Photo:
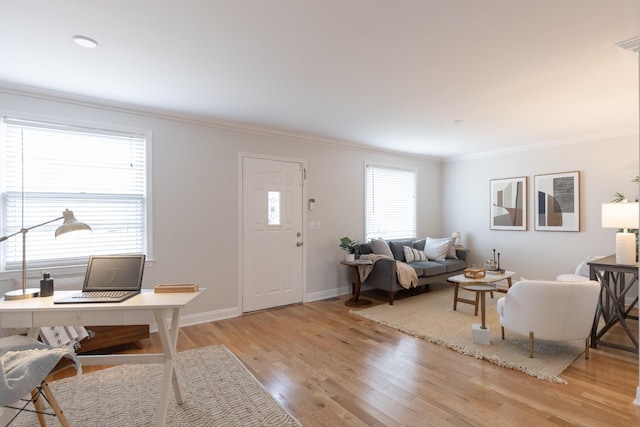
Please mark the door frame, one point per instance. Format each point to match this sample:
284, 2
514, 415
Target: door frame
304, 231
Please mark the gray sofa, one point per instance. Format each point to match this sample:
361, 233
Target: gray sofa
383, 275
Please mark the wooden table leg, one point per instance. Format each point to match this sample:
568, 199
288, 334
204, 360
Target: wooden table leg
457, 299
482, 309
456, 285
355, 300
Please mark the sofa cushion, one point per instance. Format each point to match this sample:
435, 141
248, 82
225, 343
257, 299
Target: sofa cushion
397, 248
411, 254
420, 244
452, 264
365, 248
428, 268
380, 247
437, 249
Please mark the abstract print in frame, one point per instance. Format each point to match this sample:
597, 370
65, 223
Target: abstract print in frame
509, 203
557, 201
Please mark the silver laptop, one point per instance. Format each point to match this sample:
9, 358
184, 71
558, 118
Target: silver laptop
109, 278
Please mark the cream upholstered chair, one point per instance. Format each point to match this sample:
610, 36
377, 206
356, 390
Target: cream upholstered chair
581, 273
550, 310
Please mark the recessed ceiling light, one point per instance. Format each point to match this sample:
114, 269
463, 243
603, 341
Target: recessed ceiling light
85, 42
457, 121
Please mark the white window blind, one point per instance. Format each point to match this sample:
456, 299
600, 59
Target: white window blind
390, 202
100, 175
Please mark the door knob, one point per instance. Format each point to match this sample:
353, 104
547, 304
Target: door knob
298, 244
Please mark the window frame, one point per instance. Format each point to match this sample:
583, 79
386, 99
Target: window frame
77, 265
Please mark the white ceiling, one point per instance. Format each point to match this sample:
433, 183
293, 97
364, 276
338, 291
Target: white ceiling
392, 74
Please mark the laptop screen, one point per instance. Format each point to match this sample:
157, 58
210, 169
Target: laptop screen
114, 272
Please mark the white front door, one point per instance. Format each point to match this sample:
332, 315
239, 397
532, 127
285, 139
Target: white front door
272, 240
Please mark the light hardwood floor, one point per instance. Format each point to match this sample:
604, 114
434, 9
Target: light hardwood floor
331, 368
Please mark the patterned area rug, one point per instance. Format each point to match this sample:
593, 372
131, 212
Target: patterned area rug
219, 391
430, 316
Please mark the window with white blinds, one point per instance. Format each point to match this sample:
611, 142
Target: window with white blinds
390, 202
100, 175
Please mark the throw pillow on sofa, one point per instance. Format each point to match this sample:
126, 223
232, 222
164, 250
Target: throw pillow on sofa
439, 249
411, 254
381, 247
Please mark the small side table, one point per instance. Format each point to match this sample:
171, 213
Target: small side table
611, 305
355, 300
481, 333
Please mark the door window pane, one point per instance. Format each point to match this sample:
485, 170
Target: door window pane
274, 207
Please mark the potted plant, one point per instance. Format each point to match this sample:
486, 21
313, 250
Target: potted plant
351, 247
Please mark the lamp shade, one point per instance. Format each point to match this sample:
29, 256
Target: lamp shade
620, 215
70, 224
457, 236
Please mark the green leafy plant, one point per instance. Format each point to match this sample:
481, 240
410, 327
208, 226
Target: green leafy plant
619, 197
351, 246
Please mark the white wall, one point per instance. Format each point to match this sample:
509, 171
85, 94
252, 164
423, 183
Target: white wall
606, 166
195, 198
195, 190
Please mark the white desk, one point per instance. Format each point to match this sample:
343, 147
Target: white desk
145, 308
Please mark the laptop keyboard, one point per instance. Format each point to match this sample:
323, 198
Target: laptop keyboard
102, 294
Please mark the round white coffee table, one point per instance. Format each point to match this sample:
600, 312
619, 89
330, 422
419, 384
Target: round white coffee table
489, 278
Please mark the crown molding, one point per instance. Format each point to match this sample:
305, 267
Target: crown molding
85, 101
632, 44
546, 144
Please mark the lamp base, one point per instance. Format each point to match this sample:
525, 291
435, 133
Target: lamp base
20, 294
625, 248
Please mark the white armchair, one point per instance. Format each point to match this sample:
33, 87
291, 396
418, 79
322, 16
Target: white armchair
581, 273
550, 310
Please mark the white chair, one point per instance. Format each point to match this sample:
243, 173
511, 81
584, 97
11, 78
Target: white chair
550, 310
581, 273
25, 364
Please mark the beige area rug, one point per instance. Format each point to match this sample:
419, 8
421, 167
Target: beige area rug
430, 316
219, 391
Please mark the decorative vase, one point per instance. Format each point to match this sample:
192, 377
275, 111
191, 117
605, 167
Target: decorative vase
350, 257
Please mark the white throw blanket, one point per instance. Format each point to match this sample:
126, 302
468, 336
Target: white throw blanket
407, 276
21, 371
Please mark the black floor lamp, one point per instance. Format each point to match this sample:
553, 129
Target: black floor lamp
70, 224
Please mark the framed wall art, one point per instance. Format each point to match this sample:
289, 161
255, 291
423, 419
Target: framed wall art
557, 201
509, 203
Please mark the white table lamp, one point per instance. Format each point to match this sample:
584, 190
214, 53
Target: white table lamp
457, 239
623, 216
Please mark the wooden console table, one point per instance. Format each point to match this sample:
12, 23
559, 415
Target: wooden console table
611, 306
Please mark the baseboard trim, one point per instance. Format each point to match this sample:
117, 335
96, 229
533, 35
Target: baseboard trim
317, 296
